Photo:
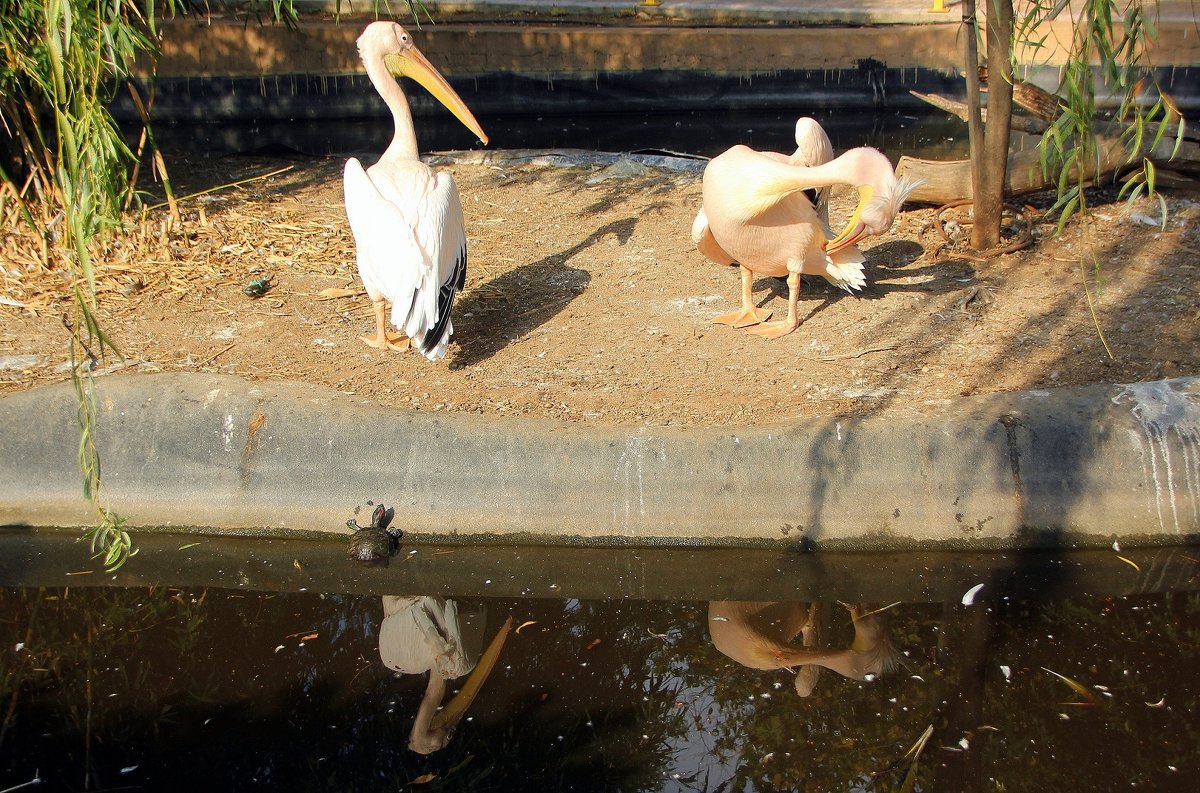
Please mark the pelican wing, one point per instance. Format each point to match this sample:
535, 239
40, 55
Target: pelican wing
412, 248
813, 147
442, 232
387, 250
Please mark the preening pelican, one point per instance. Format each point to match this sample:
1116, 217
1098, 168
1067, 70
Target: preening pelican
755, 213
407, 219
758, 635
813, 147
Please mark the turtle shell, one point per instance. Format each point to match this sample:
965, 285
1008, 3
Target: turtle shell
370, 546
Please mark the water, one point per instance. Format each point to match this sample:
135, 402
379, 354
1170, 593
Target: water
913, 131
220, 681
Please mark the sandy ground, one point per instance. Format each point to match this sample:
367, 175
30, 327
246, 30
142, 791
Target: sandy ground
587, 302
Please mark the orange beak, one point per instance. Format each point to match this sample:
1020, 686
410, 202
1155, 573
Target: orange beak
854, 227
412, 63
457, 707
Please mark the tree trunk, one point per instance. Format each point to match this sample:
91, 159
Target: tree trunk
992, 172
974, 115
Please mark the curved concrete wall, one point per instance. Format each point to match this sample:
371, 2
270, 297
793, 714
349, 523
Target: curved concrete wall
1074, 466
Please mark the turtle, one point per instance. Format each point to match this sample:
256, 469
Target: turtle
374, 544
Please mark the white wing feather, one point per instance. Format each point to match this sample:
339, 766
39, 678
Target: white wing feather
387, 251
441, 232
411, 249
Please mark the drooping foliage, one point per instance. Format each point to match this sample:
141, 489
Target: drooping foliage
1106, 54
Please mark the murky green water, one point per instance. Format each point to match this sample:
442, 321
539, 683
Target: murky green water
1066, 672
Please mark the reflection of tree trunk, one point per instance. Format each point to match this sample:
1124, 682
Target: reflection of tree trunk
967, 633
990, 174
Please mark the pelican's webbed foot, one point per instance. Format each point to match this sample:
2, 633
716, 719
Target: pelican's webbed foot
387, 341
743, 317
774, 330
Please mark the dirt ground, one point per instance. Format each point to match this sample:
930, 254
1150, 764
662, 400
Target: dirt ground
586, 302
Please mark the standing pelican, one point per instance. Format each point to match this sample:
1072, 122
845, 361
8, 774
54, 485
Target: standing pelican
813, 147
755, 213
406, 218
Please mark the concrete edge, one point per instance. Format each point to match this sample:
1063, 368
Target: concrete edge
1070, 467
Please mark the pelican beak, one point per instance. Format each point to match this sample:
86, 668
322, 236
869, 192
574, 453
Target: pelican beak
411, 63
456, 708
854, 227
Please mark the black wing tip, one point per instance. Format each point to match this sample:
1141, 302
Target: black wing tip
433, 337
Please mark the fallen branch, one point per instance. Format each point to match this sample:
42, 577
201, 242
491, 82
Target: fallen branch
1032, 126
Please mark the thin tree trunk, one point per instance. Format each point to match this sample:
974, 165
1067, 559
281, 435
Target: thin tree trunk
991, 173
974, 104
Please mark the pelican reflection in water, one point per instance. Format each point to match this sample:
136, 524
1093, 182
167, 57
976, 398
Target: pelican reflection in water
761, 635
423, 633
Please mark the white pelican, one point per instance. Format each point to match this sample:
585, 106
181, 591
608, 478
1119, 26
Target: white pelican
407, 219
813, 147
755, 213
423, 633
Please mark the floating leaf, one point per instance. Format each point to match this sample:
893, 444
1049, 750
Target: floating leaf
969, 598
525, 624
1076, 686
1131, 563
189, 545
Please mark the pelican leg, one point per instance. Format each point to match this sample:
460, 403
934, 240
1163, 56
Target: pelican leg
773, 330
748, 314
384, 339
808, 675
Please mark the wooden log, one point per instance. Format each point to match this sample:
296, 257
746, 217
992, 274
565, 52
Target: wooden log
947, 181
1041, 103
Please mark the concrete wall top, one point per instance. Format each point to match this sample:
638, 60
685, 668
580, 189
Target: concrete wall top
1078, 466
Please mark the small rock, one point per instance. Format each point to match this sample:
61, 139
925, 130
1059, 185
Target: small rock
14, 363
1142, 218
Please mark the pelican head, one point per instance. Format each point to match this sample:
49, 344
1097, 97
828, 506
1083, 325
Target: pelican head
880, 195
432, 729
393, 45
